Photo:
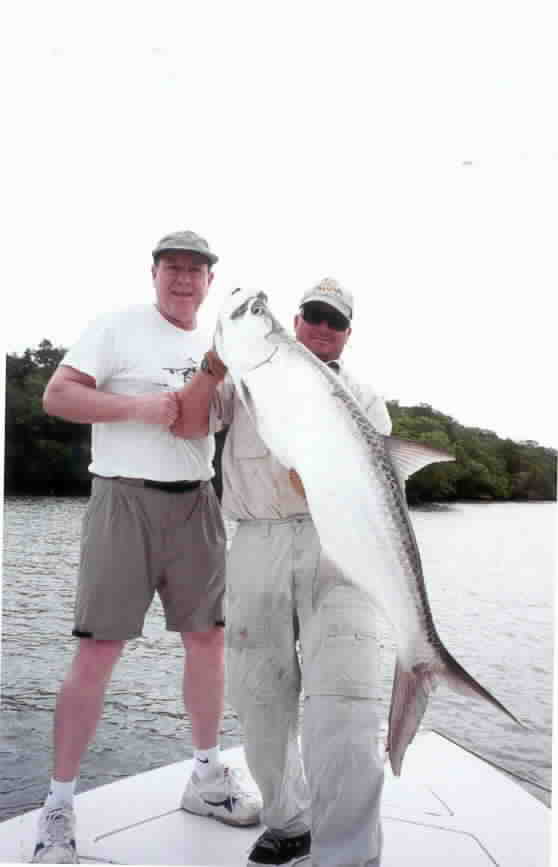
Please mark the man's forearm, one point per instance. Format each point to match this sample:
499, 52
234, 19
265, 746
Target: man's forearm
79, 403
195, 401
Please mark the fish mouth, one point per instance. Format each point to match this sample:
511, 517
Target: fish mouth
256, 303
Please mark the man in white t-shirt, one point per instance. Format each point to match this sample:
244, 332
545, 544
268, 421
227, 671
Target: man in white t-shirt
153, 524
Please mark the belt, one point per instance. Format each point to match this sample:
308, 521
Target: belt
171, 487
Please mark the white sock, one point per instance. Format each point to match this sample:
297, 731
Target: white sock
60, 793
206, 762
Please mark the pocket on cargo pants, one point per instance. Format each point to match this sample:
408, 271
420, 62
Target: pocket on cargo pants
341, 654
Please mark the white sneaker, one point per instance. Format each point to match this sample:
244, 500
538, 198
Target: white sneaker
223, 797
56, 841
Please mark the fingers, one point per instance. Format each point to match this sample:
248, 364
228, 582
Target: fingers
214, 365
163, 409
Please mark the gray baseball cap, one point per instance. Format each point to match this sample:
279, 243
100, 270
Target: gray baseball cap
186, 241
329, 291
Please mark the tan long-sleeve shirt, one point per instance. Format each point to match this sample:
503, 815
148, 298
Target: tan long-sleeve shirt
255, 484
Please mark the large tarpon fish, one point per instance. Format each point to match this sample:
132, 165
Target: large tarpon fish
354, 482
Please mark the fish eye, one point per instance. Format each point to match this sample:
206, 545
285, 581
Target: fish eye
257, 308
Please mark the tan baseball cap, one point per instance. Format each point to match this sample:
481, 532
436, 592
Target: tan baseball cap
186, 241
329, 291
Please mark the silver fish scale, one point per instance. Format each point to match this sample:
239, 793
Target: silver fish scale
395, 510
383, 473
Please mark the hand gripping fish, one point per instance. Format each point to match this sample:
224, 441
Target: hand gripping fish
353, 478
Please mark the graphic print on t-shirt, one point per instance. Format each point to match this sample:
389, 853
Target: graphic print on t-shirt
182, 374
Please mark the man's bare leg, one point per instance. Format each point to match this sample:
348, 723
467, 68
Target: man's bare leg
80, 703
213, 789
204, 683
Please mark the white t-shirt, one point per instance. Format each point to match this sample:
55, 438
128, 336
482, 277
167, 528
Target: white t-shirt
137, 351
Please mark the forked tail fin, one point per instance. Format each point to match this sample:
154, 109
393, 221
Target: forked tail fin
409, 698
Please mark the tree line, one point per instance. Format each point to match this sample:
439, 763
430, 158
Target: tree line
46, 455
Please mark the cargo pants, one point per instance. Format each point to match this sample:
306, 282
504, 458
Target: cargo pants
282, 590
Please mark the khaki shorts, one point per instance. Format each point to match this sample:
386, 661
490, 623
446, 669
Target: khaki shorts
137, 541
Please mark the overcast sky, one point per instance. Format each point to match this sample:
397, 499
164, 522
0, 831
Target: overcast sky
408, 149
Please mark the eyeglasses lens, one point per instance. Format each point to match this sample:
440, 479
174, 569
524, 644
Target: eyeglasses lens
334, 320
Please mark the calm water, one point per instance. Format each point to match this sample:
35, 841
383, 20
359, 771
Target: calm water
490, 574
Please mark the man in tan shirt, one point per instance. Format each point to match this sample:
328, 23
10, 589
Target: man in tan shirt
287, 604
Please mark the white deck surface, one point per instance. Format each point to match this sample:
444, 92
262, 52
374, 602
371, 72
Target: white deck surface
448, 808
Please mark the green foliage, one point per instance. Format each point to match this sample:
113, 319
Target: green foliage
49, 455
485, 466
43, 454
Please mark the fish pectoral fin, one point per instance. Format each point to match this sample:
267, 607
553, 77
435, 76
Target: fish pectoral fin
409, 698
409, 457
296, 483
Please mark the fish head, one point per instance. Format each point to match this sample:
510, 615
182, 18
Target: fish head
246, 332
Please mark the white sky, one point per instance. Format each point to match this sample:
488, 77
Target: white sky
304, 140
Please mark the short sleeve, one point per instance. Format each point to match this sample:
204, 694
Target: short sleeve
94, 353
371, 404
377, 413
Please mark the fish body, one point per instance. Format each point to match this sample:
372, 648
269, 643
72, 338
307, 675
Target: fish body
353, 479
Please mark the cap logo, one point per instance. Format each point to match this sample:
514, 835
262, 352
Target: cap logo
334, 289
329, 286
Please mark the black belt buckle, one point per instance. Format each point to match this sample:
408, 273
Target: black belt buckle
172, 487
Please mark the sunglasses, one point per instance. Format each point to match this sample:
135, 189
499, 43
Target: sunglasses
316, 315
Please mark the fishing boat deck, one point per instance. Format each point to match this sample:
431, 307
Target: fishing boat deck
448, 804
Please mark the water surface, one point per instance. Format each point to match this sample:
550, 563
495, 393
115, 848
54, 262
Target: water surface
489, 570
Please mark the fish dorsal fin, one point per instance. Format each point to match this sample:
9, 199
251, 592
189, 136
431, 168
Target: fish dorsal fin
409, 456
